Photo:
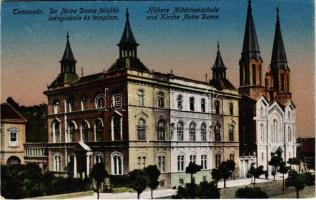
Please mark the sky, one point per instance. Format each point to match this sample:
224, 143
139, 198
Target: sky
32, 46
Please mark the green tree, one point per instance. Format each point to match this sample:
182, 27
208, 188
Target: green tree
251, 193
98, 173
191, 169
275, 163
297, 181
283, 169
216, 175
227, 168
138, 181
208, 190
152, 173
255, 172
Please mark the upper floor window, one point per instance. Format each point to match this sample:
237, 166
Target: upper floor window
84, 131
289, 115
161, 100
83, 103
217, 160
231, 108
217, 133
253, 74
180, 102
98, 130
192, 131
117, 163
141, 129
116, 127
204, 161
180, 162
231, 133
161, 130
71, 103
56, 131
290, 134
56, 106
71, 132
203, 132
274, 129
13, 137
203, 107
161, 163
100, 101
192, 103
282, 83
217, 107
180, 131
141, 97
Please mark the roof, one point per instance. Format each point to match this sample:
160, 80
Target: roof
128, 62
218, 61
68, 55
127, 36
9, 113
221, 84
251, 45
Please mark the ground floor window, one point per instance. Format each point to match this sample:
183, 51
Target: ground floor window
161, 163
204, 161
141, 162
57, 162
117, 163
181, 163
13, 160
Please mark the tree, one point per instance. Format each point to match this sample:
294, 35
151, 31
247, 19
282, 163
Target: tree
296, 180
283, 169
275, 162
138, 181
216, 175
192, 168
98, 173
227, 168
255, 172
293, 161
152, 173
208, 190
251, 193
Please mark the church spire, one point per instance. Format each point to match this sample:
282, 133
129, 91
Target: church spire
278, 52
219, 69
68, 55
251, 45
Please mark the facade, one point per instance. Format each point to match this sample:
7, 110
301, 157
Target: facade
12, 135
129, 118
267, 113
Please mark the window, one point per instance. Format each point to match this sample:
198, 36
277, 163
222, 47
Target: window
116, 127
100, 101
203, 132
192, 103
217, 133
192, 131
289, 115
161, 130
141, 97
231, 108
70, 103
290, 134
141, 162
202, 105
180, 163
71, 132
180, 131
56, 131
282, 82
217, 107
141, 129
161, 100
117, 164
99, 157
253, 74
83, 103
192, 158
217, 160
274, 129
13, 137
98, 130
261, 132
262, 156
56, 106
161, 163
180, 102
232, 157
204, 161
231, 133
57, 162
84, 131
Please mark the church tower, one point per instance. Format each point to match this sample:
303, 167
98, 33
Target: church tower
251, 81
278, 75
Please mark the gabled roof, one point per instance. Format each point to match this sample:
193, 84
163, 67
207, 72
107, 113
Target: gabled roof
9, 113
221, 84
68, 55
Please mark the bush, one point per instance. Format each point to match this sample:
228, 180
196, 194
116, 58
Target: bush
251, 193
119, 181
310, 179
205, 190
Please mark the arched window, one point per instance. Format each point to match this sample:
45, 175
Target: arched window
289, 134
217, 160
71, 132
84, 131
180, 131
98, 130
253, 74
217, 107
141, 129
203, 107
100, 101
141, 97
192, 131
231, 108
70, 104
56, 131
204, 161
83, 102
180, 163
99, 157
262, 132
13, 160
231, 133
191, 103
289, 115
161, 100
57, 162
116, 127
117, 163
180, 102
56, 106
161, 130
217, 133
203, 132
274, 129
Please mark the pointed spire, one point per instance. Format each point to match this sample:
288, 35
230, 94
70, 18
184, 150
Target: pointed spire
68, 55
218, 61
278, 52
251, 45
127, 36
